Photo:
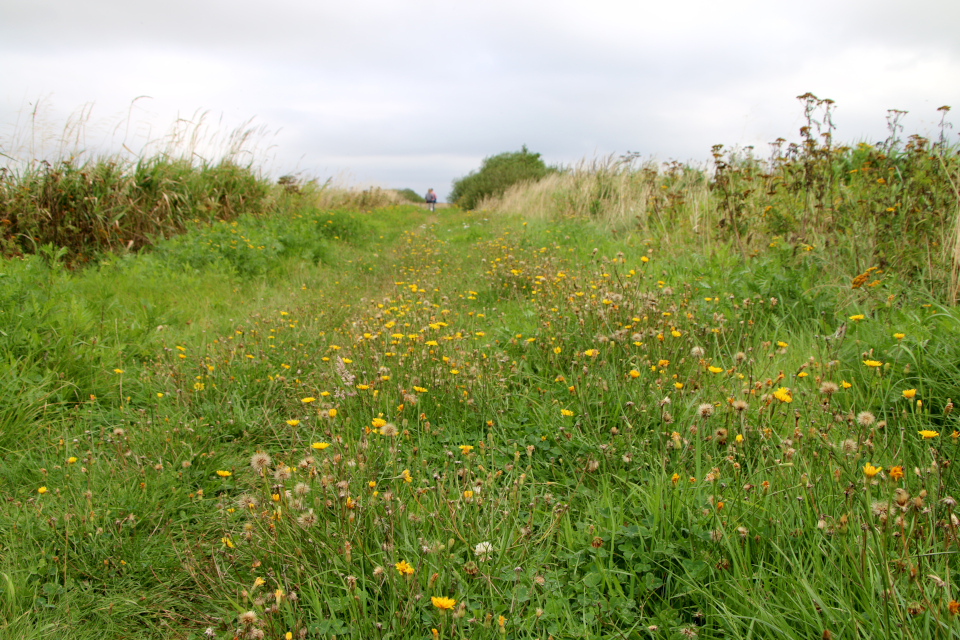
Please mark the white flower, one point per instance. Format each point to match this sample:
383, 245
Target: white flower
483, 551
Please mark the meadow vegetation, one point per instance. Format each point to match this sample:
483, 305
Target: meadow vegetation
672, 415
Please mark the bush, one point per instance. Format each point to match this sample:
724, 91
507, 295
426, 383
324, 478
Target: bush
495, 175
410, 195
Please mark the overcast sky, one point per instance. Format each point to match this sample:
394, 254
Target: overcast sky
416, 93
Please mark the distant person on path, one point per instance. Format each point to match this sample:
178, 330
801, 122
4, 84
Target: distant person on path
431, 200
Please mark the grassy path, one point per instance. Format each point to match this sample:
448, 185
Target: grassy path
462, 427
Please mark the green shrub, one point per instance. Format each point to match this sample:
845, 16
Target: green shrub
410, 195
495, 175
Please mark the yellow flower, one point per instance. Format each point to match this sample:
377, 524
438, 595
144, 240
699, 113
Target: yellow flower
783, 395
378, 422
678, 385
675, 333
443, 603
927, 434
869, 470
845, 384
320, 445
675, 478
465, 449
857, 318
896, 473
634, 373
71, 460
293, 423
873, 363
663, 363
404, 568
739, 438
644, 259
781, 344
307, 400
591, 352
227, 542
556, 350
909, 393
223, 474
713, 369
566, 412
468, 494
118, 370
899, 336
332, 413
159, 395
42, 490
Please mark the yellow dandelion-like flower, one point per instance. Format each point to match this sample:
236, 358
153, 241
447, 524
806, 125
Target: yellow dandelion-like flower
926, 434
783, 395
42, 490
869, 470
857, 318
403, 568
909, 393
118, 370
443, 603
591, 353
223, 474
293, 423
307, 400
566, 412
713, 369
899, 336
320, 445
634, 373
873, 363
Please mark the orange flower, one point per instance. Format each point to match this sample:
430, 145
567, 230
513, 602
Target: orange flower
896, 473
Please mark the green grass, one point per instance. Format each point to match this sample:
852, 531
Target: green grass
539, 418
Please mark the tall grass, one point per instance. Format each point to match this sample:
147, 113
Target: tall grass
65, 196
893, 206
